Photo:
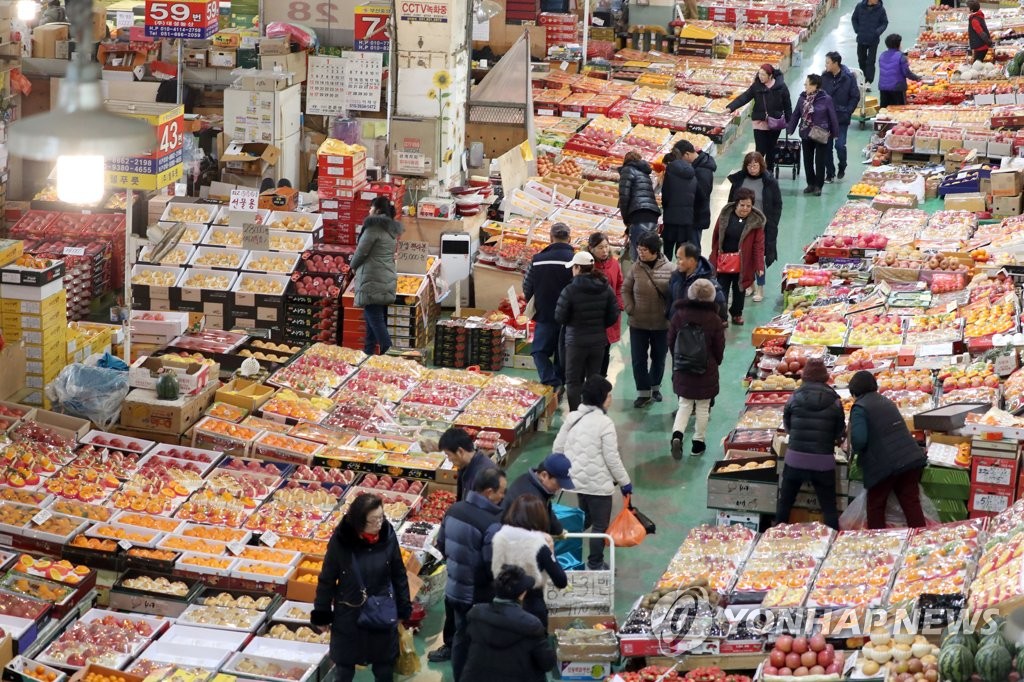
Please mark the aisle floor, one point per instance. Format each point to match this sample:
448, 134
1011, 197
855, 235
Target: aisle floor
673, 493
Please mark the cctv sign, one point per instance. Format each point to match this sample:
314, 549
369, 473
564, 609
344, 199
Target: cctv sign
413, 10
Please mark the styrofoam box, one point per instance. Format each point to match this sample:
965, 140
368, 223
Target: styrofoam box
291, 260
243, 569
316, 220
254, 621
306, 240
287, 650
217, 548
209, 570
280, 616
188, 635
229, 667
193, 234
187, 249
188, 279
217, 251
210, 209
192, 656
152, 535
228, 237
210, 457
224, 217
144, 445
281, 281
173, 324
137, 269
118, 519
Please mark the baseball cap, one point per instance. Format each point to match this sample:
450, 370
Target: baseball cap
581, 258
557, 465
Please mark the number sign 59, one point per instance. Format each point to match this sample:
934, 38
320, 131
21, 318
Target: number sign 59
184, 14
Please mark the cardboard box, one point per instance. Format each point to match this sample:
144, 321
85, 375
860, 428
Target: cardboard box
1007, 183
294, 63
994, 471
582, 670
12, 379
249, 158
45, 40
261, 81
971, 201
280, 199
992, 499
73, 428
222, 58
248, 395
192, 376
143, 410
1004, 206
196, 58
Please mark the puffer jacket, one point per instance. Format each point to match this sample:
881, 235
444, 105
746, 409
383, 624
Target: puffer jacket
374, 261
705, 167
636, 190
869, 22
843, 90
894, 70
698, 386
586, 308
678, 194
771, 206
612, 271
823, 115
507, 644
680, 284
814, 419
588, 439
464, 540
751, 243
529, 484
646, 291
774, 100
531, 551
881, 441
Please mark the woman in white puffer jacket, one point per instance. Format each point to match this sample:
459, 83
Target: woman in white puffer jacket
588, 439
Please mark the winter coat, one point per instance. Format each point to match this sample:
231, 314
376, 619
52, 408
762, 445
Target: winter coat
823, 115
466, 476
751, 243
464, 540
776, 99
636, 190
978, 36
704, 166
844, 91
698, 386
814, 419
680, 284
612, 271
381, 569
869, 22
646, 291
586, 308
881, 441
894, 70
546, 277
374, 261
678, 194
506, 644
529, 484
588, 439
529, 550
771, 206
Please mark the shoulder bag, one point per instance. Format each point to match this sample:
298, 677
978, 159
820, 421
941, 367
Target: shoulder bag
647, 271
728, 263
377, 612
774, 123
819, 134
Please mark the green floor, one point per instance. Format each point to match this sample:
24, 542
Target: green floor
674, 493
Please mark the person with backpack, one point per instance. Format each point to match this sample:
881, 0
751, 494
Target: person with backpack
697, 341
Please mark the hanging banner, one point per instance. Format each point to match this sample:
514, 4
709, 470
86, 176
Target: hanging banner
161, 165
197, 20
371, 23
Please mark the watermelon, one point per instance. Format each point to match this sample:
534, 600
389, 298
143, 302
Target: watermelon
998, 639
969, 641
956, 663
1020, 665
993, 662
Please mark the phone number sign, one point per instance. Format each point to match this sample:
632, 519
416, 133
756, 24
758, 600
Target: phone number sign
371, 22
182, 19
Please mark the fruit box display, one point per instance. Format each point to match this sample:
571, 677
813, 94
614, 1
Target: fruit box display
937, 561
778, 572
858, 569
710, 553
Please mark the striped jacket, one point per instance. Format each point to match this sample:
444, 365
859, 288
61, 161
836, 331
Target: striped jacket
546, 278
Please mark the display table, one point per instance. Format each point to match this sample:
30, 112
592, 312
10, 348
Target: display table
429, 229
491, 285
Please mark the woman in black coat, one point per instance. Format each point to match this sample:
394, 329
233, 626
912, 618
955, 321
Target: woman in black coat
507, 643
678, 195
768, 198
362, 559
637, 200
771, 99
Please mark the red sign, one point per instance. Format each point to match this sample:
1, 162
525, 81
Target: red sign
182, 19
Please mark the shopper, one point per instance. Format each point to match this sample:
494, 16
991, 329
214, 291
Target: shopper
464, 540
889, 457
508, 644
376, 274
841, 85
768, 199
638, 203
893, 72
691, 266
645, 293
543, 482
362, 559
524, 542
815, 421
737, 249
588, 439
544, 281
869, 23
772, 108
607, 265
585, 308
815, 118
53, 14
678, 194
704, 166
979, 40
695, 321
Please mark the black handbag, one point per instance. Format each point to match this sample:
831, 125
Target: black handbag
644, 520
377, 612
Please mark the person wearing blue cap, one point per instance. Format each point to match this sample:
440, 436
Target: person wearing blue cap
545, 481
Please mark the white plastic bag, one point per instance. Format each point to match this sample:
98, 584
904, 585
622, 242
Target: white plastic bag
855, 517
915, 187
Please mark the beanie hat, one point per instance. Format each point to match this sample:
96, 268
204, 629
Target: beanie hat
702, 290
815, 370
862, 382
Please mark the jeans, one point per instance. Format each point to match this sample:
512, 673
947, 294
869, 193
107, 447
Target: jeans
906, 486
815, 159
867, 55
686, 407
648, 348
382, 672
597, 514
636, 233
545, 347
460, 641
759, 279
824, 483
839, 142
731, 281
892, 98
377, 336
580, 363
764, 142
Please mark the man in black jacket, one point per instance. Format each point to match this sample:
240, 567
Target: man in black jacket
704, 167
869, 21
637, 202
544, 482
691, 266
678, 198
544, 281
586, 308
841, 86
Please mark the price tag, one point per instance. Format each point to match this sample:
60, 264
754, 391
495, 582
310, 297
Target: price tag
125, 545
990, 503
255, 237
244, 200
236, 548
563, 66
501, 450
269, 538
513, 300
597, 21
74, 250
42, 516
125, 19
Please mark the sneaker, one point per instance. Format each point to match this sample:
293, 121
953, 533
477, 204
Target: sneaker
842, 172
737, 320
816, 192
758, 293
642, 401
440, 654
808, 190
603, 566
830, 179
656, 396
748, 292
697, 448
677, 445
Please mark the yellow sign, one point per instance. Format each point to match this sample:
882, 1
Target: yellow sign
382, 10
144, 181
154, 114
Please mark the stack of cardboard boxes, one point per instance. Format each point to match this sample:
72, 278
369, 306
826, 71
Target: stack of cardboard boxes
340, 179
1007, 186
